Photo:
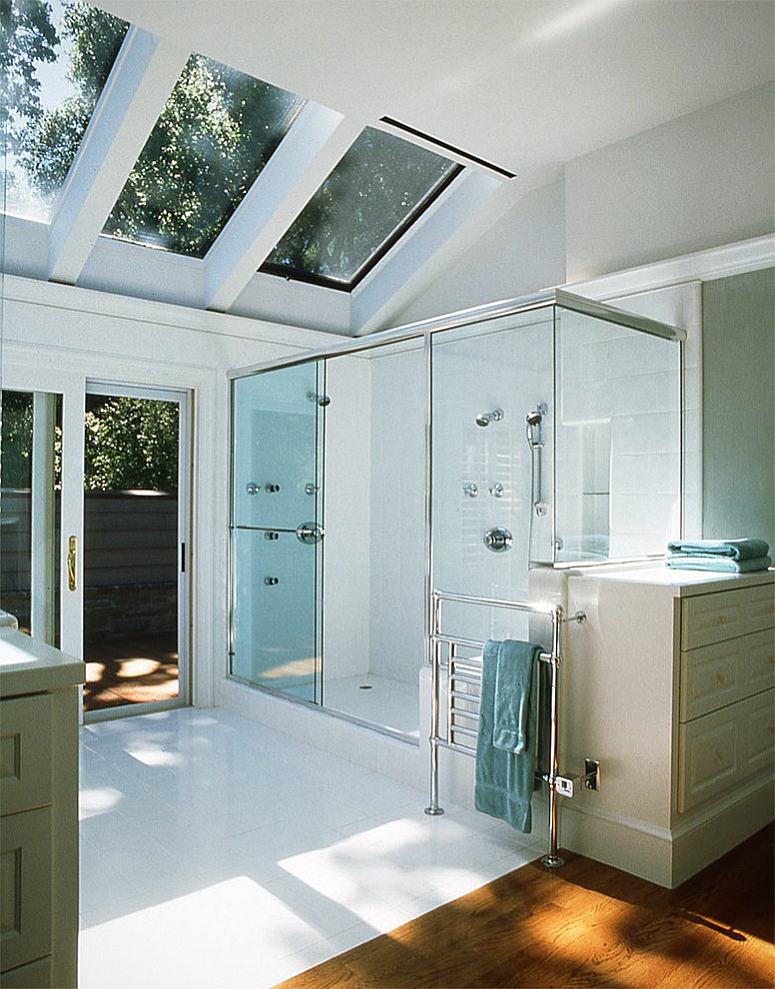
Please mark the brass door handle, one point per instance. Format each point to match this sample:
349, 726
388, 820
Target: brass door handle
72, 562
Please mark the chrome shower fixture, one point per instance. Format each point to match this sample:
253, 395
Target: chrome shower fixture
321, 400
485, 418
533, 425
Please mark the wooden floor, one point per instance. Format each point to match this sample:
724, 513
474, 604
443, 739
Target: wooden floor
582, 925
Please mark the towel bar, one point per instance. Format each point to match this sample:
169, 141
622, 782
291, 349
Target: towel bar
464, 675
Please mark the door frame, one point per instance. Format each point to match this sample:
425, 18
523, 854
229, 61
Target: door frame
183, 398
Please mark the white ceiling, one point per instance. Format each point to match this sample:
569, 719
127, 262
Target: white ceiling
526, 84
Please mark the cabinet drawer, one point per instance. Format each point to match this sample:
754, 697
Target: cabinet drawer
724, 672
25, 752
723, 748
758, 748
25, 888
713, 618
760, 608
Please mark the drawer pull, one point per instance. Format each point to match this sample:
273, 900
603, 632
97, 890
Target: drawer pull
721, 678
719, 756
722, 619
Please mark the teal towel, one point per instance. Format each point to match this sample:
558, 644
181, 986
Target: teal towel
735, 549
505, 776
722, 564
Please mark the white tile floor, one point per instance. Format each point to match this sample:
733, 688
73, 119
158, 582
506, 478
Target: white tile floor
216, 852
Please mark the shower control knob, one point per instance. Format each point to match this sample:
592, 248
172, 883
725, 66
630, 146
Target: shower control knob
252, 488
498, 539
497, 491
271, 488
311, 489
309, 533
271, 581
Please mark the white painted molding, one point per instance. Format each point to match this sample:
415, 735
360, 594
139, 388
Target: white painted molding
716, 262
33, 292
304, 159
144, 75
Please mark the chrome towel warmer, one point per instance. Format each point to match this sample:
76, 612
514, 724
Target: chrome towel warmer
464, 678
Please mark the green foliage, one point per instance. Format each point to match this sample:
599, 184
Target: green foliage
216, 133
27, 39
16, 453
363, 204
48, 143
131, 443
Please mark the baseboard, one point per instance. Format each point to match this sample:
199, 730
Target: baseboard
668, 857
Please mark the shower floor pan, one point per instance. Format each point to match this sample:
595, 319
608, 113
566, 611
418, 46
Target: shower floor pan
392, 704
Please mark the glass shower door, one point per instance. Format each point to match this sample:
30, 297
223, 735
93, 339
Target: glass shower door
277, 530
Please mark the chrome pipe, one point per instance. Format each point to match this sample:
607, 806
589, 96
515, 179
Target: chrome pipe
552, 859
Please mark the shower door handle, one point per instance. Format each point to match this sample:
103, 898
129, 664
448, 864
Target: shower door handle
309, 533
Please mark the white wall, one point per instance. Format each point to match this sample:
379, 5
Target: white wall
700, 181
697, 182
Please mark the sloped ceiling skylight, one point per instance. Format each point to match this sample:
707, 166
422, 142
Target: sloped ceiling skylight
379, 187
55, 60
217, 132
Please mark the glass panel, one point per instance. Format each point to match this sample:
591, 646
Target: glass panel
130, 551
60, 56
215, 135
31, 511
618, 441
277, 547
374, 193
486, 380
275, 459
275, 637
375, 567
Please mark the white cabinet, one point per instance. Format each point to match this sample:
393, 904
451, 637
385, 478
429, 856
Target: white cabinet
669, 685
727, 661
39, 701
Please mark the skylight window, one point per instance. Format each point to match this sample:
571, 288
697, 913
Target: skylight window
215, 135
54, 61
374, 194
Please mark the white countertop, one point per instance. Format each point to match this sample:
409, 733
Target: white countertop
684, 582
29, 667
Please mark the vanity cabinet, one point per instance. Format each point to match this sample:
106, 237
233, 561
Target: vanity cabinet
39, 705
669, 685
726, 723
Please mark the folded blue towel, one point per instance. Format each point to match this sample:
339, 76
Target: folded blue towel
506, 738
723, 564
735, 549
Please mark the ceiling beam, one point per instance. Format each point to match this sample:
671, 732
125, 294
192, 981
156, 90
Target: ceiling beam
308, 153
137, 89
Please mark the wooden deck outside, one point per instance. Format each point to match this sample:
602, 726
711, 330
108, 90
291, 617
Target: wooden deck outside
130, 670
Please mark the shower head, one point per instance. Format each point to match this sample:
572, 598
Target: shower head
485, 418
533, 418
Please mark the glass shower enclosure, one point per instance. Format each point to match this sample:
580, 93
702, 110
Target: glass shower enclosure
463, 453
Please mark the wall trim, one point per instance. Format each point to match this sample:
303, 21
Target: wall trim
716, 262
31, 291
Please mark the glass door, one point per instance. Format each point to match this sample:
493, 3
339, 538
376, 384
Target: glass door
30, 521
136, 466
277, 533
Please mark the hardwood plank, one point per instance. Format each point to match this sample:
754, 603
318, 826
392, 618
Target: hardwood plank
586, 924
